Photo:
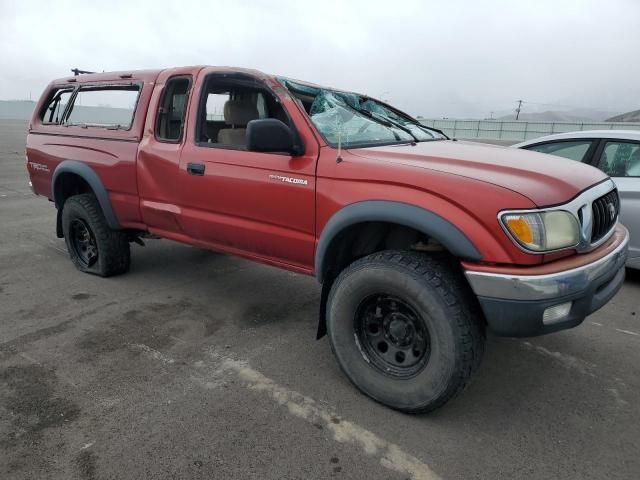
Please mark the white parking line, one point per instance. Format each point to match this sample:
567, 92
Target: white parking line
628, 332
567, 361
586, 368
390, 455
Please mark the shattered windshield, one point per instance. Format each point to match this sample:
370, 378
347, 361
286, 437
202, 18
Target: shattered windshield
350, 120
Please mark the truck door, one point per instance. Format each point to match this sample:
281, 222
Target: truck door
158, 163
255, 204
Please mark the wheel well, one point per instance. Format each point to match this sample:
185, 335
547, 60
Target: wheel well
69, 184
362, 239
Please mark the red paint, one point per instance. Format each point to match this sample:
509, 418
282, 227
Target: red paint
235, 207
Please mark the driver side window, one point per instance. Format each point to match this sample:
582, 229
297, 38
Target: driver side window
229, 108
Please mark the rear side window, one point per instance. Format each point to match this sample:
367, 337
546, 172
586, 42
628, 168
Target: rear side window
104, 106
571, 150
58, 101
171, 113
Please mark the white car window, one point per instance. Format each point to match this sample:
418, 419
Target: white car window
571, 150
620, 159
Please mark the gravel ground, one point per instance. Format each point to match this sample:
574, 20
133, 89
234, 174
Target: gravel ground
199, 365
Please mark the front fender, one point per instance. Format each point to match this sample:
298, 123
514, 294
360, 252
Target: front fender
425, 221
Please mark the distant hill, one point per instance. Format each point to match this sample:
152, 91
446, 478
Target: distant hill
577, 115
633, 116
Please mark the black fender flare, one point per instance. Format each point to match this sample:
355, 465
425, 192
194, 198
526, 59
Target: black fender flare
421, 219
93, 180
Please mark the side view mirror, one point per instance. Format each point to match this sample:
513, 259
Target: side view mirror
270, 135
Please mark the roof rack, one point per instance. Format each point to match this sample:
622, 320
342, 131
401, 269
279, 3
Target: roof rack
77, 71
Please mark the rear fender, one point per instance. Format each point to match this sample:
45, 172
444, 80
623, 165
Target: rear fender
93, 180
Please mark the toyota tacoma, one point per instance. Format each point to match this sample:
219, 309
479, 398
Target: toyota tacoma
421, 243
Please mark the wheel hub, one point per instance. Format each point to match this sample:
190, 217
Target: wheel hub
392, 336
83, 242
399, 330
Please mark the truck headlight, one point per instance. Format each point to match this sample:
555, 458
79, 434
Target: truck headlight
542, 231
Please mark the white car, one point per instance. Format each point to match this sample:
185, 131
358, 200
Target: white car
616, 153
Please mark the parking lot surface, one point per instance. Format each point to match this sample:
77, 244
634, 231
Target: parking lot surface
200, 365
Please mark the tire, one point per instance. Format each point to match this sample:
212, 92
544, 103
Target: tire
421, 308
92, 245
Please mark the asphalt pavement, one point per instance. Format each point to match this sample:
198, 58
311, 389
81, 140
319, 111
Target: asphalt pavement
200, 365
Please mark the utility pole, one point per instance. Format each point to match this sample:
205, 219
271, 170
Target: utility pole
518, 109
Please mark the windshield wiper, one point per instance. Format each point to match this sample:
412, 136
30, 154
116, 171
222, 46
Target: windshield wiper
424, 127
392, 123
409, 120
382, 120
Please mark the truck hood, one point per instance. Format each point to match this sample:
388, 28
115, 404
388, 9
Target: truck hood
544, 179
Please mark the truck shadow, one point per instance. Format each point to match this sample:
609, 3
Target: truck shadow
632, 276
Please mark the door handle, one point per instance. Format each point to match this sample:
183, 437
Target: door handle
195, 168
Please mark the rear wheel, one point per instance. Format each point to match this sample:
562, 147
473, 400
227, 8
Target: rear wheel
93, 247
405, 329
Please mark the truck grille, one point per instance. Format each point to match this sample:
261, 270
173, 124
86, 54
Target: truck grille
605, 213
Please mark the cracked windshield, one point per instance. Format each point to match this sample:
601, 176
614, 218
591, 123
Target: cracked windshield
351, 120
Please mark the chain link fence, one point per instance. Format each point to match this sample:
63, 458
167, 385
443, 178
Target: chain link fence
517, 131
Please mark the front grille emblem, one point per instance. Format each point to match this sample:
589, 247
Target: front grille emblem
612, 211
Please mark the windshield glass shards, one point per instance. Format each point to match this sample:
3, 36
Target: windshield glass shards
351, 120
341, 123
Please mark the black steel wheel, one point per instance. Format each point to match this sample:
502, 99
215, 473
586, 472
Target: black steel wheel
392, 335
83, 242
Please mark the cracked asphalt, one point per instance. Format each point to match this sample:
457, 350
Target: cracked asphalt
199, 365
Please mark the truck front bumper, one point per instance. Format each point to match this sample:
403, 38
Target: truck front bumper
533, 301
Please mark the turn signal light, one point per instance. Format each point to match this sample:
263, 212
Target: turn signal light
520, 228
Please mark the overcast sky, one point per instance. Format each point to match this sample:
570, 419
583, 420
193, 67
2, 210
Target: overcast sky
431, 58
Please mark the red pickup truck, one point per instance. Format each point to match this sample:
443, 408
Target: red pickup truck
420, 242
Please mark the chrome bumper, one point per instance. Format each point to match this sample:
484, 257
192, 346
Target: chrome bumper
547, 287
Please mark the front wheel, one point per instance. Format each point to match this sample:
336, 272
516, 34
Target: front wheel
404, 329
93, 247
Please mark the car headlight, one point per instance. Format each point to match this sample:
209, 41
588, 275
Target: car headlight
542, 231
